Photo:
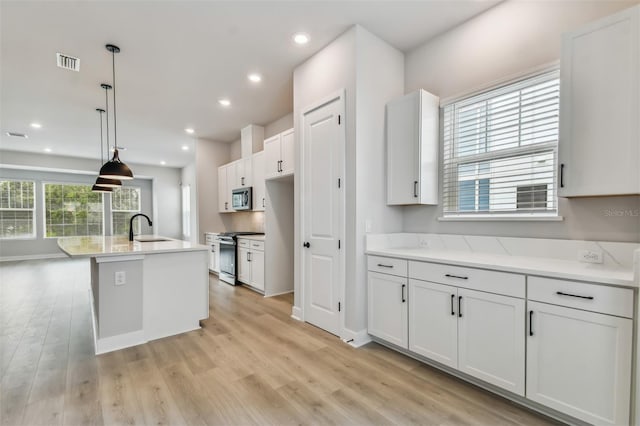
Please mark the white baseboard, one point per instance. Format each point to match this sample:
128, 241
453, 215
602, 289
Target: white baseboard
32, 257
356, 338
121, 341
278, 294
296, 313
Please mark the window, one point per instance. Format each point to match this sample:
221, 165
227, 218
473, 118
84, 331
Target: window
72, 210
500, 150
17, 205
125, 202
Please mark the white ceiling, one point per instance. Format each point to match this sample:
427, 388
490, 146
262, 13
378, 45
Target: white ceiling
178, 58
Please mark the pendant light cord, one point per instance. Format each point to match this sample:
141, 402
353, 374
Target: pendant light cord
115, 126
106, 105
101, 140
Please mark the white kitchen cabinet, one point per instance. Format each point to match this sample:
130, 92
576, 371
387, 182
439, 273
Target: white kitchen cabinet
279, 155
598, 150
251, 263
491, 342
387, 310
243, 173
433, 321
224, 194
259, 190
412, 149
579, 363
214, 251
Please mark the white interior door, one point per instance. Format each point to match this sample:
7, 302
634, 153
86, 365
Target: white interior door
323, 207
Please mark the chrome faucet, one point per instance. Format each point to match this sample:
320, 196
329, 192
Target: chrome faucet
131, 223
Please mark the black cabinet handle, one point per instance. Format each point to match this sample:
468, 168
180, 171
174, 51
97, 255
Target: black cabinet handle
562, 175
248, 256
415, 188
403, 298
263, 202
530, 323
226, 205
453, 296
459, 307
560, 293
306, 244
384, 266
242, 181
456, 276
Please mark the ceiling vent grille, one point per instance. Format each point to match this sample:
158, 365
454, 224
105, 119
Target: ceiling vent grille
17, 135
68, 62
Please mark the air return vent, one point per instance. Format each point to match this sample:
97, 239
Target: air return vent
17, 135
68, 62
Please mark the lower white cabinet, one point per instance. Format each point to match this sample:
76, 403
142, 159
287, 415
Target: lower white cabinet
251, 263
388, 311
244, 265
256, 259
480, 334
491, 338
579, 363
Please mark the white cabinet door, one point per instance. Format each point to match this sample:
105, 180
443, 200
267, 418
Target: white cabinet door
257, 269
223, 191
433, 321
272, 157
287, 153
412, 149
388, 318
244, 266
598, 150
579, 363
233, 179
216, 257
243, 173
491, 338
259, 193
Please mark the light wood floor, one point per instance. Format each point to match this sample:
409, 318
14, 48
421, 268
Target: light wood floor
250, 364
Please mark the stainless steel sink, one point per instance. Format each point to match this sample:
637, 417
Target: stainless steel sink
151, 239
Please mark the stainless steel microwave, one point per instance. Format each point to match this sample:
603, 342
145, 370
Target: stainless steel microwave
241, 198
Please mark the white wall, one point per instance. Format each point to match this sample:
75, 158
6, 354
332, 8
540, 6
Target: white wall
209, 156
278, 126
507, 40
162, 184
352, 62
189, 176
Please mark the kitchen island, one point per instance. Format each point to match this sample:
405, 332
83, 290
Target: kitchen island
144, 289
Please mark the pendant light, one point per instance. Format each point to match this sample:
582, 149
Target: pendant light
104, 182
114, 168
97, 187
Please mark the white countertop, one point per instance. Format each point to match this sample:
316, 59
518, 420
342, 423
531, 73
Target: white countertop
566, 269
251, 237
121, 246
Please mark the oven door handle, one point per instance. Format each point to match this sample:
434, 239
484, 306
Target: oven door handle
227, 243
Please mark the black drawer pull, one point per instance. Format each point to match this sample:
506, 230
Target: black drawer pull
385, 266
453, 296
403, 298
459, 307
530, 323
560, 293
456, 276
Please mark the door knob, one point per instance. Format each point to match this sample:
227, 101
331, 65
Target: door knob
307, 245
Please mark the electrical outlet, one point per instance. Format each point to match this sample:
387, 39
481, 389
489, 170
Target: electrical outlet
590, 256
121, 278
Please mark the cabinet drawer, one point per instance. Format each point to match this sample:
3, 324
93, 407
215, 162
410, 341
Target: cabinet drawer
256, 245
244, 243
580, 295
476, 279
209, 238
387, 265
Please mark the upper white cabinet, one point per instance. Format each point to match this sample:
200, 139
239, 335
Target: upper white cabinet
244, 172
412, 149
259, 191
279, 155
226, 180
600, 108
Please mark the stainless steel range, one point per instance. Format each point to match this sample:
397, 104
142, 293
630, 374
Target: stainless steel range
228, 255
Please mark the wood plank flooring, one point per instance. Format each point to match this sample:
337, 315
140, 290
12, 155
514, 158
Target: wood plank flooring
249, 364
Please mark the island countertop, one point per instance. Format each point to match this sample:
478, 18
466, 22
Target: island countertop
97, 246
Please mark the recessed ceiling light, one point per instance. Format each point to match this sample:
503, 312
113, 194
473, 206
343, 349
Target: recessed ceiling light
224, 102
189, 130
301, 38
36, 125
256, 78
162, 163
185, 148
47, 150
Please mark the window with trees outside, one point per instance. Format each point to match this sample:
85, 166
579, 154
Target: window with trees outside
500, 151
17, 206
72, 210
125, 202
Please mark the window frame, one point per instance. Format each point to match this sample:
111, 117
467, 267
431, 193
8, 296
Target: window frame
44, 209
112, 210
450, 162
34, 234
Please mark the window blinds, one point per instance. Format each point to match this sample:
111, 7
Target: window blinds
500, 150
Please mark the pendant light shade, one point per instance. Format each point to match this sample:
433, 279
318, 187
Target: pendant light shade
98, 188
115, 168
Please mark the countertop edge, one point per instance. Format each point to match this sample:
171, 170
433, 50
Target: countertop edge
506, 268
